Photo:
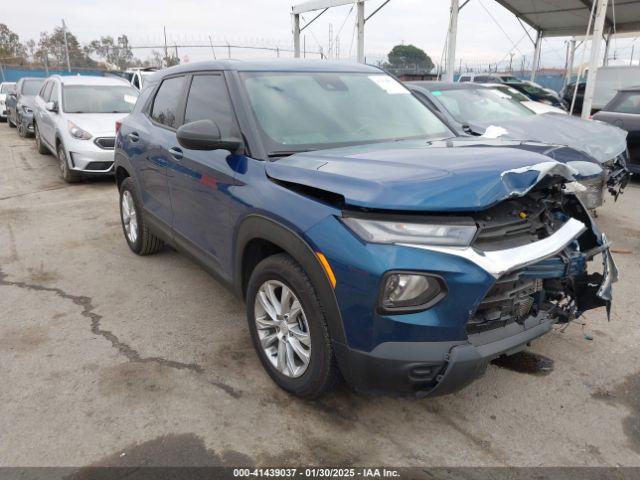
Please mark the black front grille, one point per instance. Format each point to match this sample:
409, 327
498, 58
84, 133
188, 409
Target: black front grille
106, 143
98, 166
510, 300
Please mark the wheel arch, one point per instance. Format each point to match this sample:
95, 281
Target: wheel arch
259, 237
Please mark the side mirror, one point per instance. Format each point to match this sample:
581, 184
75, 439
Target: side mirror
12, 94
51, 107
205, 135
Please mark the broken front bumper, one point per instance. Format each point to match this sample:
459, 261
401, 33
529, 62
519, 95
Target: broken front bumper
437, 368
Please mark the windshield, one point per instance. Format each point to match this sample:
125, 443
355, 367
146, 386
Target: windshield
299, 111
31, 87
480, 105
98, 98
6, 87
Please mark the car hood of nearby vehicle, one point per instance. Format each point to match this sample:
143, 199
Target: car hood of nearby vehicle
599, 140
460, 174
540, 108
97, 124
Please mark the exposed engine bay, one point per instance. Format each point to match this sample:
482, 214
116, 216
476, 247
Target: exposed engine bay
560, 286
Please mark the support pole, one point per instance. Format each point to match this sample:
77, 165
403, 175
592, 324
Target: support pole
607, 43
596, 43
536, 56
571, 53
296, 34
360, 33
451, 42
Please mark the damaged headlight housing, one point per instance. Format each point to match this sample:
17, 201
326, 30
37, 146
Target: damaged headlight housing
406, 232
590, 193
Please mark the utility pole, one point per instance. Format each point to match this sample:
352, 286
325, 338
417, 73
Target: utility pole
633, 46
451, 44
166, 52
212, 50
66, 45
360, 33
536, 56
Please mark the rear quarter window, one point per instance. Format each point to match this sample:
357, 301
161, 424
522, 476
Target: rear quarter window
167, 102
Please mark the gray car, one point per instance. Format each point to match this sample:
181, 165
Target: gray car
19, 104
473, 109
75, 119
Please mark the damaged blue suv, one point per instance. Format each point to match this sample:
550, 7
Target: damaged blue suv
367, 241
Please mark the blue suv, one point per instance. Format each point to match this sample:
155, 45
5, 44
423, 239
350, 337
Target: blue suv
367, 241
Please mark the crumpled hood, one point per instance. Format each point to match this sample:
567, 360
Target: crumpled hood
424, 176
97, 124
601, 141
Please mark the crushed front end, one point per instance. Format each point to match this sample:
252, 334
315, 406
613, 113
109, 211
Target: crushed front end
527, 268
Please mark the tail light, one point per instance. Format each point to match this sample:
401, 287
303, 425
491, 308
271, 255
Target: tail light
118, 125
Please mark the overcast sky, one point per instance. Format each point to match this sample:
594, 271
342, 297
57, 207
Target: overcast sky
253, 22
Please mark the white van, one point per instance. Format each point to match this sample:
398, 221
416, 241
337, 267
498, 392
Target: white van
611, 79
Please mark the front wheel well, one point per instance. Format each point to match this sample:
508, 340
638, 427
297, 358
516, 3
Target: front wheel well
121, 174
254, 252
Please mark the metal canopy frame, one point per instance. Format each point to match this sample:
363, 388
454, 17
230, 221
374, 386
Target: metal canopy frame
324, 5
561, 18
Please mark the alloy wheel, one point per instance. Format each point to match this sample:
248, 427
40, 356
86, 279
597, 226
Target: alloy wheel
129, 216
283, 330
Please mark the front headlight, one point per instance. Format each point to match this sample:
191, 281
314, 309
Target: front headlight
77, 132
384, 231
26, 109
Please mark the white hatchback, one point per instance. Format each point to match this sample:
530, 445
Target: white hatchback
75, 119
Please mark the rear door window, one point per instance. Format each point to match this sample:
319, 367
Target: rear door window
166, 105
628, 103
464, 78
208, 99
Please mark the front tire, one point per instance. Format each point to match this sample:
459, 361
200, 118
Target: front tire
22, 129
139, 237
66, 173
289, 329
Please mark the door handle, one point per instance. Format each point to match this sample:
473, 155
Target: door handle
176, 152
133, 136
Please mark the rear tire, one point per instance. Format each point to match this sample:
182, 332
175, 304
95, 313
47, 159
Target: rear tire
66, 173
321, 372
139, 237
39, 145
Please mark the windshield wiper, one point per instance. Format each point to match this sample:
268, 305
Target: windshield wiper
285, 153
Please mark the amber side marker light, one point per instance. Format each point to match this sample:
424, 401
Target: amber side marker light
327, 269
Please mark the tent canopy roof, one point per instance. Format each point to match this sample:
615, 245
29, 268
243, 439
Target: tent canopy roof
564, 18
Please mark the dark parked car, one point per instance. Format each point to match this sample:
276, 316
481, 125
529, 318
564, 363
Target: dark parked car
364, 237
475, 109
567, 95
538, 94
624, 112
20, 103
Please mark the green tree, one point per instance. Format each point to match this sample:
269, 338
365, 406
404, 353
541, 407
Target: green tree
52, 45
11, 50
409, 55
116, 53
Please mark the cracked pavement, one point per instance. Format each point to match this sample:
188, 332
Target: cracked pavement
103, 353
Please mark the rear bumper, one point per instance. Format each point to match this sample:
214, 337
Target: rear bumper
427, 369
